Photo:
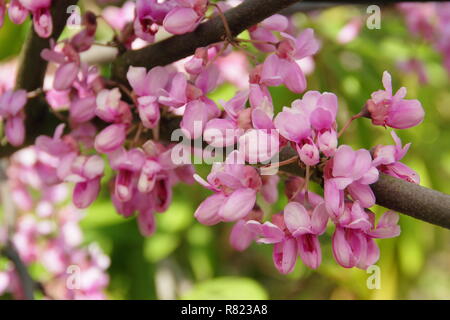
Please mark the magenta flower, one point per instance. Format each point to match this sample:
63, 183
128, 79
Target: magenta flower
352, 171
310, 119
387, 160
150, 14
282, 68
235, 186
111, 108
306, 226
11, 110
17, 12
148, 87
186, 16
86, 172
263, 31
285, 249
128, 165
42, 19
390, 110
295, 233
111, 138
2, 12
119, 17
353, 240
68, 62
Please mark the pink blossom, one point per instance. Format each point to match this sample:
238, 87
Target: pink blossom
294, 233
11, 106
86, 172
350, 31
281, 68
242, 235
387, 160
185, 17
235, 186
352, 171
149, 15
2, 12
148, 87
119, 17
390, 110
308, 120
110, 138
353, 243
128, 165
264, 32
111, 108
17, 12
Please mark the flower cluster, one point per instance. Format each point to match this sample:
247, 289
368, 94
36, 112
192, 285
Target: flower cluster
19, 10
310, 127
52, 236
431, 21
121, 125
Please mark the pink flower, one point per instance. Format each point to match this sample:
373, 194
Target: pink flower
119, 17
350, 31
68, 62
306, 226
185, 17
285, 249
196, 115
42, 19
17, 12
11, 110
146, 223
84, 39
242, 235
352, 241
82, 109
128, 165
387, 160
390, 110
111, 108
148, 87
235, 186
2, 12
110, 138
310, 119
282, 68
352, 171
264, 31
86, 172
149, 15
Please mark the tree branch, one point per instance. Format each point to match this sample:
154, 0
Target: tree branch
419, 202
395, 194
245, 15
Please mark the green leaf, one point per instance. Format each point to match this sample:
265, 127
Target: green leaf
224, 288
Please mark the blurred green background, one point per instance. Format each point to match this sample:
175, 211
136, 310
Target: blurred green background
184, 259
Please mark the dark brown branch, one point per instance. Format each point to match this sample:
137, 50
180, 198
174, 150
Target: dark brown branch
245, 15
395, 194
26, 282
416, 201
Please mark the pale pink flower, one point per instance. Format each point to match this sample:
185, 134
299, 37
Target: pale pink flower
390, 110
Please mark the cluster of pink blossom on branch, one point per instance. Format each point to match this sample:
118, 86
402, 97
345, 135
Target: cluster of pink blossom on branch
144, 168
430, 21
47, 232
